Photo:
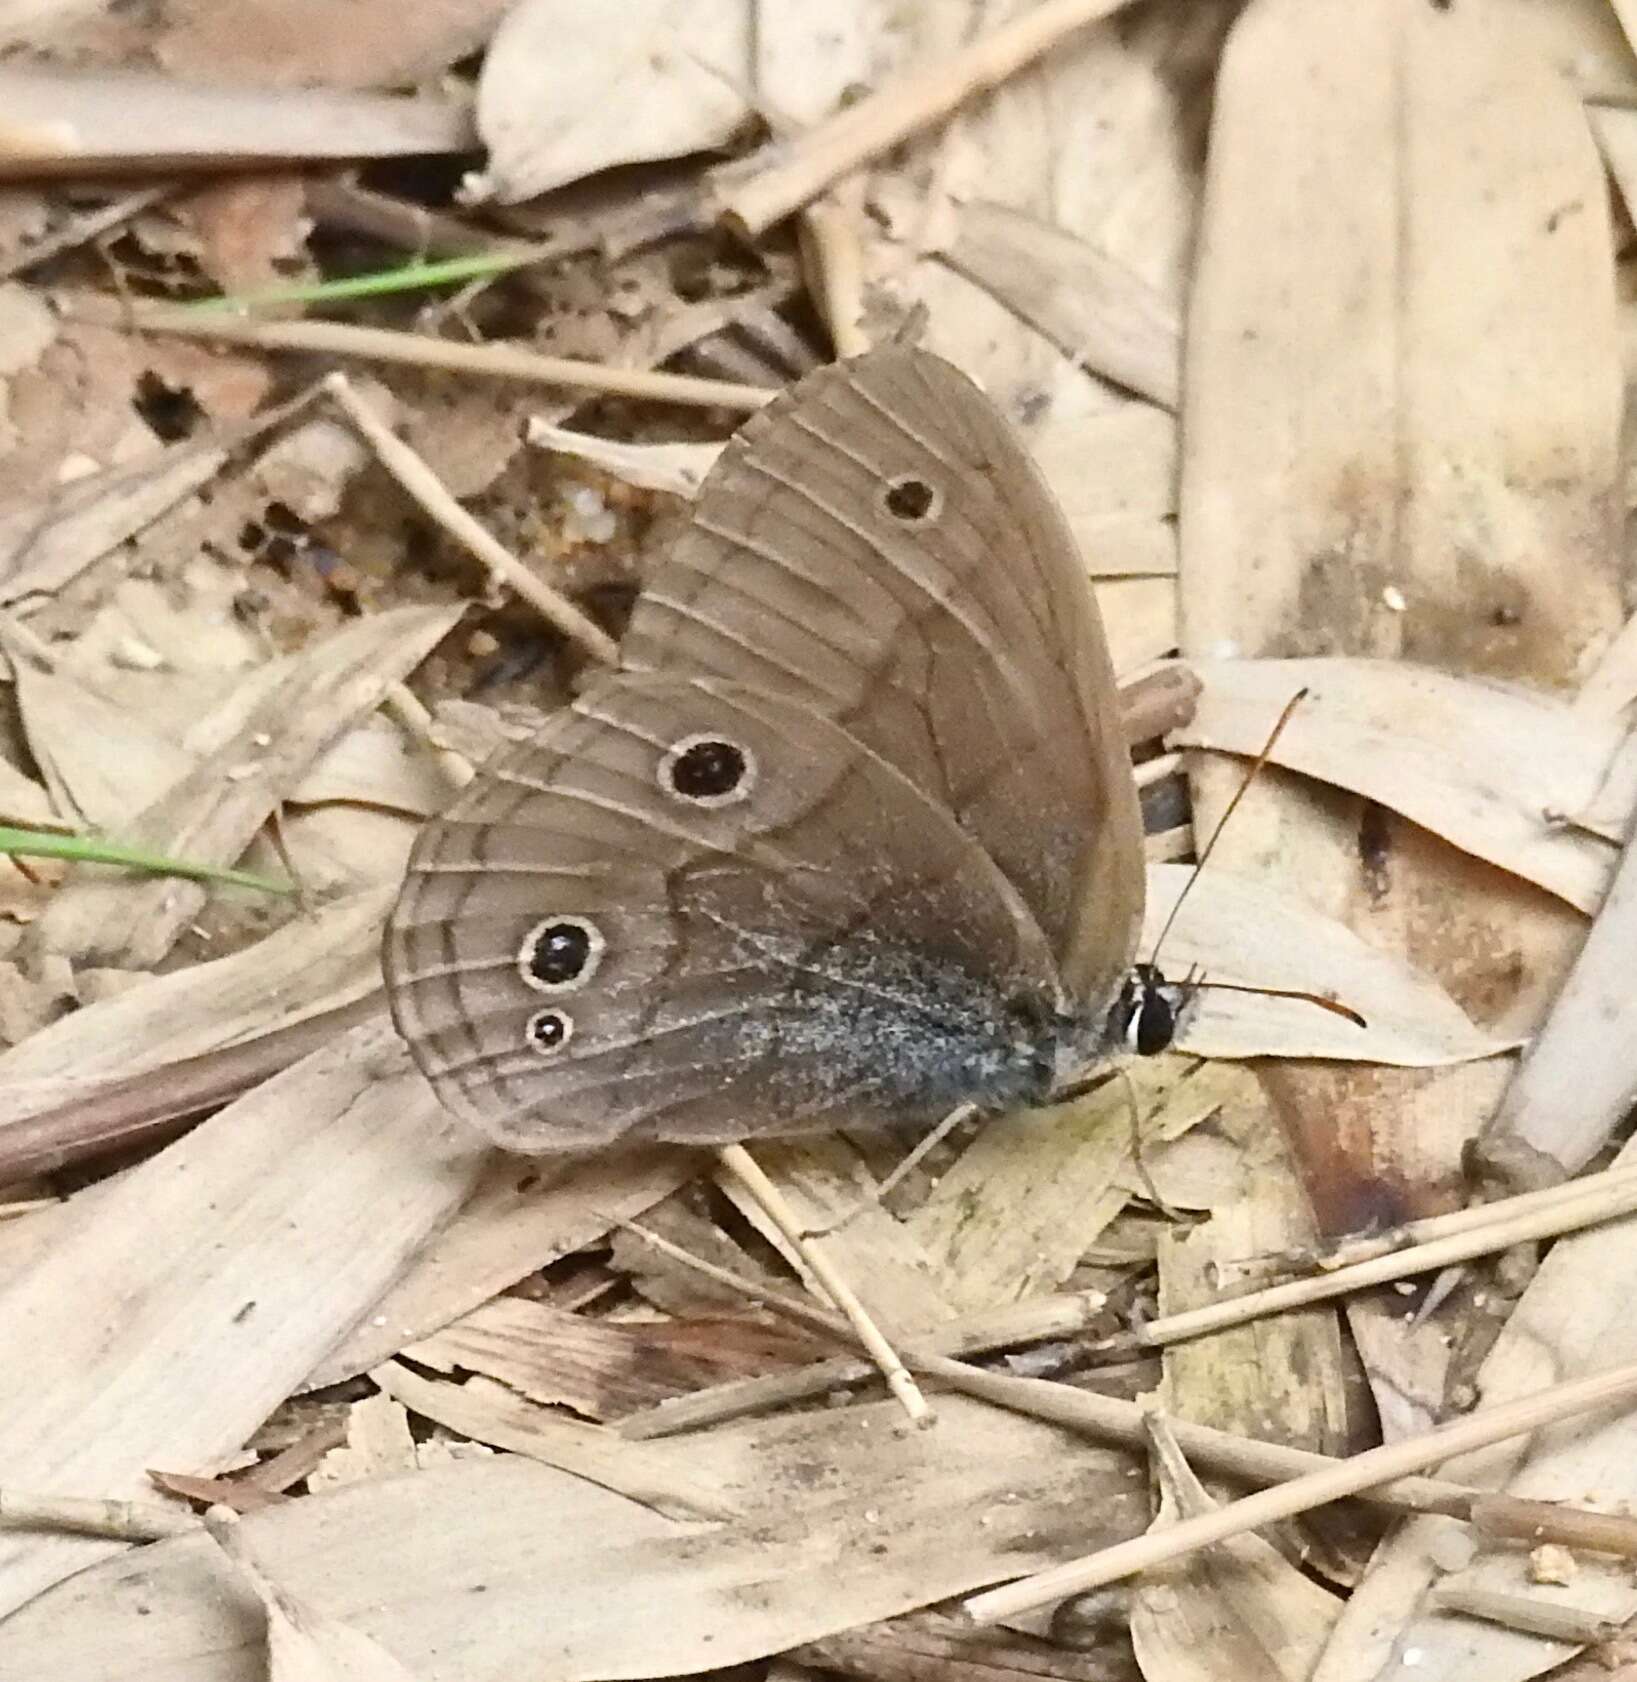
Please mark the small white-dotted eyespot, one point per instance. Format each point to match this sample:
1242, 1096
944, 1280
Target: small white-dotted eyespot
548, 1031
707, 770
910, 500
560, 954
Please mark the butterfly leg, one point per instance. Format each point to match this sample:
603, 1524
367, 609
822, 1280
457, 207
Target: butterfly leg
958, 1115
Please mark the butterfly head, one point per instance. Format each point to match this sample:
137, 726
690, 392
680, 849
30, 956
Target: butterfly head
1143, 1018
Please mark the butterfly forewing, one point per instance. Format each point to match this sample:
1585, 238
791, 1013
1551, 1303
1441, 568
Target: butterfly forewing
877, 547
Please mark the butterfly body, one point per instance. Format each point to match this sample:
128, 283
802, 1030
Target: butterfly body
850, 835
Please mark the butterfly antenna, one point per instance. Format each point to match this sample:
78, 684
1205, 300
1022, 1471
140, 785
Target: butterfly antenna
1334, 1006
1232, 806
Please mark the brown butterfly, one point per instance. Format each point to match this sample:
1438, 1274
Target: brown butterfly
850, 835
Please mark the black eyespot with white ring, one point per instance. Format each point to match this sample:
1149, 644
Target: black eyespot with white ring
707, 770
548, 1031
911, 501
560, 954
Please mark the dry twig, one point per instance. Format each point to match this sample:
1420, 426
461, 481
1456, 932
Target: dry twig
416, 350
1355, 1476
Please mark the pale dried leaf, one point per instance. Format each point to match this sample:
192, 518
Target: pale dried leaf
1115, 477
809, 57
1582, 40
303, 1645
1140, 616
1036, 1188
145, 633
291, 712
1403, 388
521, 1216
24, 801
46, 543
376, 764
311, 965
1123, 93
1491, 768
490, 1413
378, 1445
27, 330
598, 1367
1283, 1376
1233, 928
851, 1516
57, 121
338, 847
1616, 131
825, 1180
309, 469
1098, 312
102, 761
177, 1350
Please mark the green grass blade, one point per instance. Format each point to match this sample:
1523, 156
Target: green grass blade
409, 277
91, 849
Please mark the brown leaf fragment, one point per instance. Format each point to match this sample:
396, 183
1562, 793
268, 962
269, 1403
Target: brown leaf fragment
314, 43
602, 1369
214, 1492
252, 228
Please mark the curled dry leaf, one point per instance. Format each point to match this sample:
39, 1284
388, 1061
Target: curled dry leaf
568, 90
1491, 768
677, 468
1237, 1612
375, 764
1578, 1079
1233, 929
